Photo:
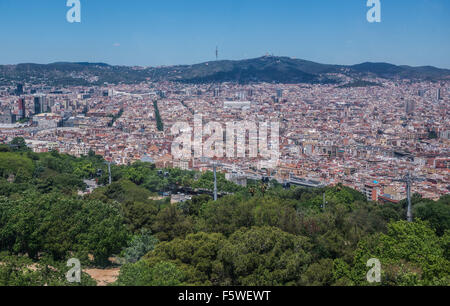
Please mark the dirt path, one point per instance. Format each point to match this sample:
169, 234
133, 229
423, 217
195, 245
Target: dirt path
103, 277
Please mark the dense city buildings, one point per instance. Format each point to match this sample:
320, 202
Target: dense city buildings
363, 137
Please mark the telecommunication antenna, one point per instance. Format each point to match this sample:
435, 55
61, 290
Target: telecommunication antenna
215, 181
324, 201
109, 171
214, 164
217, 53
409, 179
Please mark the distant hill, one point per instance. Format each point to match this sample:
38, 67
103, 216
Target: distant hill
65, 74
262, 69
390, 71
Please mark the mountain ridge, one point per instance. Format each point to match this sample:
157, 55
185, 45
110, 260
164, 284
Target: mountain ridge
271, 69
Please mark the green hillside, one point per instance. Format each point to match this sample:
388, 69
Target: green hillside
261, 235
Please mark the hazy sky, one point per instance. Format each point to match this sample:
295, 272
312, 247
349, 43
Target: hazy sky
166, 32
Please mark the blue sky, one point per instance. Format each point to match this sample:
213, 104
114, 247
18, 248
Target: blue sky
166, 32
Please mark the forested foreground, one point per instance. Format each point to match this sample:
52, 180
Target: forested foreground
259, 235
